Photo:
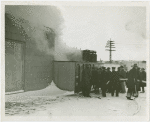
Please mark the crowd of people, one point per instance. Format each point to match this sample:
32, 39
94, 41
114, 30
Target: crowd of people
113, 81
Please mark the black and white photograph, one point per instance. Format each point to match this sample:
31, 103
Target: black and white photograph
75, 59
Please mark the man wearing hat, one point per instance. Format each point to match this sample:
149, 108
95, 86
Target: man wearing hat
131, 83
114, 82
104, 81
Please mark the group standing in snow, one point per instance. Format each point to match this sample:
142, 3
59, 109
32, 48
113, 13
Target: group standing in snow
113, 81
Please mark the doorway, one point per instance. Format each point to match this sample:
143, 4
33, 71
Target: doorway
14, 66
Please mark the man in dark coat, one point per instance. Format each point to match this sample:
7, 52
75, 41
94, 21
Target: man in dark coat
132, 79
97, 82
143, 78
108, 79
126, 75
94, 78
118, 71
137, 83
122, 82
86, 85
114, 79
104, 82
122, 72
100, 76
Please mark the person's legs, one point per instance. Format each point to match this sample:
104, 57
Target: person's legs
102, 91
97, 90
83, 91
110, 87
112, 90
142, 85
107, 88
143, 90
105, 91
88, 91
136, 91
129, 93
117, 92
119, 88
94, 87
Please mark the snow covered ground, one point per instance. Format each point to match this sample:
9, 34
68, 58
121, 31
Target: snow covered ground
52, 101
50, 91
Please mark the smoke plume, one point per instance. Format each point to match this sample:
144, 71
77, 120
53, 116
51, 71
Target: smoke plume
45, 18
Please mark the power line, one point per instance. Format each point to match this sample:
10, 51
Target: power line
110, 45
131, 46
131, 43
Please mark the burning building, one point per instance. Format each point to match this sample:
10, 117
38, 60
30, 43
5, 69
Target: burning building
32, 43
29, 49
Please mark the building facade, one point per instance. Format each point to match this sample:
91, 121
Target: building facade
27, 65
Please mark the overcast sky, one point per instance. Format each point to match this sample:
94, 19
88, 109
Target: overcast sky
91, 27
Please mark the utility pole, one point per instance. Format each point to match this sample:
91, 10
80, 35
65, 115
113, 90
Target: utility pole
110, 45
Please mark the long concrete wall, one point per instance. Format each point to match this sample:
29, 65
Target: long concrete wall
37, 65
